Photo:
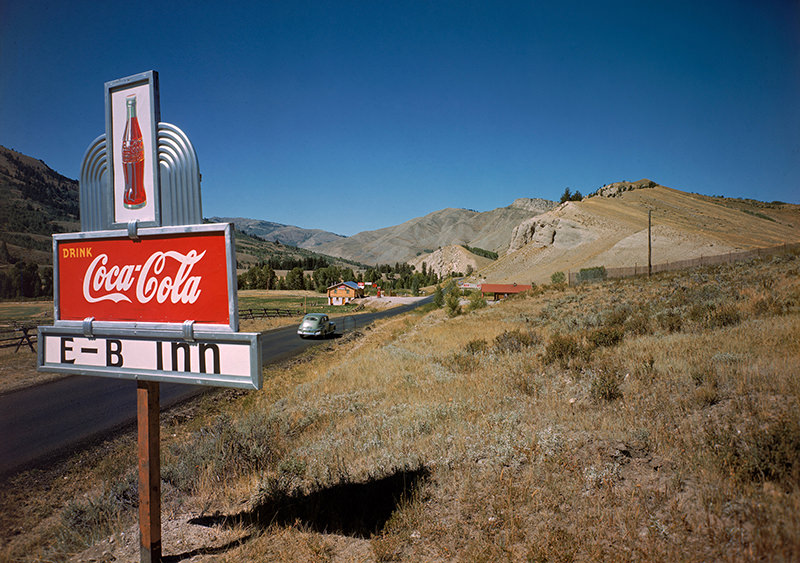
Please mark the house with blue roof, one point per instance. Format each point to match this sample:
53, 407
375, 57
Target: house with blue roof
343, 293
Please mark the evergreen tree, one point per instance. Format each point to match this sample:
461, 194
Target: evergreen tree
438, 297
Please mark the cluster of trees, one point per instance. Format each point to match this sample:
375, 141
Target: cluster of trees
24, 279
304, 263
263, 276
569, 196
399, 276
481, 252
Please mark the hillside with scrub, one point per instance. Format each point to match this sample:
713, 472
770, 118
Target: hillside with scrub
649, 419
609, 228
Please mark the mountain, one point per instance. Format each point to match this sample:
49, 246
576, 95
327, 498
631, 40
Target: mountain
252, 250
285, 234
610, 228
490, 230
36, 202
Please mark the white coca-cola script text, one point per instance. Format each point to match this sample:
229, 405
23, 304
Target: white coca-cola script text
101, 283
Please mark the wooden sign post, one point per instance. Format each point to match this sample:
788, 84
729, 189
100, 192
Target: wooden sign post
147, 411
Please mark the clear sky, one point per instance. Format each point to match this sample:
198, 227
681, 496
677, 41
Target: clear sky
352, 116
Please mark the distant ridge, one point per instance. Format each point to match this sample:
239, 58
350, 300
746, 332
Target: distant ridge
285, 234
490, 230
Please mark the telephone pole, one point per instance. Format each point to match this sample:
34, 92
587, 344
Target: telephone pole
649, 244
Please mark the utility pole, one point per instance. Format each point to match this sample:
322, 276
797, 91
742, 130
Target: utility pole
649, 244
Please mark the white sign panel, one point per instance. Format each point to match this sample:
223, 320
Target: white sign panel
133, 167
233, 361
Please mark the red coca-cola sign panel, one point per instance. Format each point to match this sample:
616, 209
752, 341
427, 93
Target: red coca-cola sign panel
162, 278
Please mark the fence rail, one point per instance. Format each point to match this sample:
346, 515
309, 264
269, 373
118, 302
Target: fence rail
18, 334
265, 313
589, 274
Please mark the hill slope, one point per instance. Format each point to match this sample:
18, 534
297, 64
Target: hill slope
36, 202
611, 230
489, 230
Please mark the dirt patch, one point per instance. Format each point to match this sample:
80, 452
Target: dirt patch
382, 303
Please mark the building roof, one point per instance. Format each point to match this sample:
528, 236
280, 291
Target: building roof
504, 288
350, 284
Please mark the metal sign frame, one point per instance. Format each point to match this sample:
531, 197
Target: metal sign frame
252, 380
149, 81
133, 327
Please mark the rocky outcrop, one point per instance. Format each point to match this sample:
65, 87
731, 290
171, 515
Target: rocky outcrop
449, 259
535, 205
549, 230
617, 188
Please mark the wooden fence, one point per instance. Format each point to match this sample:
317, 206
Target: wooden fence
18, 334
265, 313
639, 270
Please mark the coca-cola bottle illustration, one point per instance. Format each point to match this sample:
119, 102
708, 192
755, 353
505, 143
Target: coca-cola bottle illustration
133, 159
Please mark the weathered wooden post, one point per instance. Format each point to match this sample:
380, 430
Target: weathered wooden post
147, 411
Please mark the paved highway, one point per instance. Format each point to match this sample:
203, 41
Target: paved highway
56, 417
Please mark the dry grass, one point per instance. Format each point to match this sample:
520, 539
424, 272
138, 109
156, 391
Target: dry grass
651, 419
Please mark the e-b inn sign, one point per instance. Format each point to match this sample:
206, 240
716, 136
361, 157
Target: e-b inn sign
215, 358
164, 275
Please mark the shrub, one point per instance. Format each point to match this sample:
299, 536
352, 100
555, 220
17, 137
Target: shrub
670, 320
452, 304
616, 317
605, 336
605, 386
514, 341
724, 315
224, 448
84, 522
477, 346
461, 362
758, 447
558, 278
699, 312
526, 383
638, 324
562, 348
597, 273
476, 301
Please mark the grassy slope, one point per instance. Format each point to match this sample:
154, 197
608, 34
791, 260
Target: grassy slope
685, 226
647, 419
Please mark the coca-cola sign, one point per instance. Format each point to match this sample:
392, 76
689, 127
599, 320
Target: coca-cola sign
162, 278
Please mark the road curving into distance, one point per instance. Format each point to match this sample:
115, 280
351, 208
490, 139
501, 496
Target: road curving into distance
54, 418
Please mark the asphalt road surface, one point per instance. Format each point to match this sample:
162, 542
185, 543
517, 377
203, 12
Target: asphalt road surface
40, 422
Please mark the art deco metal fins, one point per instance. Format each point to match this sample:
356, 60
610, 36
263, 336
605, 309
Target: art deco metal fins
180, 178
179, 174
93, 186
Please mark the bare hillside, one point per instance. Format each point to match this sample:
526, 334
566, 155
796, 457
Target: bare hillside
448, 259
611, 230
489, 230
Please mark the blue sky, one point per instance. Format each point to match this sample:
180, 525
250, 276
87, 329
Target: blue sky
352, 116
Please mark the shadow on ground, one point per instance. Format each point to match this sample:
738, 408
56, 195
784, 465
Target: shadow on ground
352, 509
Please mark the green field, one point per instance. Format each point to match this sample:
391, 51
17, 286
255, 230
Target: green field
25, 311
298, 301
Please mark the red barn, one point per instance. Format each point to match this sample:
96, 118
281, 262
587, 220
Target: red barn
503, 290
